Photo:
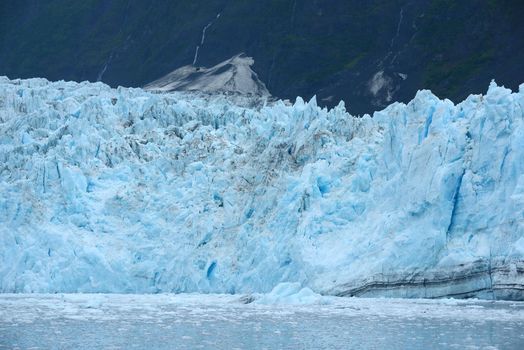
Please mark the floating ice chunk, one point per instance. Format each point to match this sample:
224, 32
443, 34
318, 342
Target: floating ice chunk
291, 293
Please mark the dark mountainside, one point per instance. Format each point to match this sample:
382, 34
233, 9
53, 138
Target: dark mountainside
368, 53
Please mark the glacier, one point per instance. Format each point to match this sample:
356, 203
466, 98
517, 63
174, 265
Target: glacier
128, 191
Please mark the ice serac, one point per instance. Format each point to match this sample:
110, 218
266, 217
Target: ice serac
123, 190
231, 76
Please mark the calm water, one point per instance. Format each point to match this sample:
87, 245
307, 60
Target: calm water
222, 322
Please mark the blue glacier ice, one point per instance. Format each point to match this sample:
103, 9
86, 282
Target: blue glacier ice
124, 190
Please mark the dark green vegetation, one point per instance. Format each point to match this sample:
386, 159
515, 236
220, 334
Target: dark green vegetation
330, 48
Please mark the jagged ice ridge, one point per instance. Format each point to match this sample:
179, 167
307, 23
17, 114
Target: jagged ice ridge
123, 190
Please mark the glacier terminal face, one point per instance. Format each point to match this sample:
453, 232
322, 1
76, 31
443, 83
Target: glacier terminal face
123, 190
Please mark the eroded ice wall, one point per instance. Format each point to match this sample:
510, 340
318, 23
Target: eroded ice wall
122, 190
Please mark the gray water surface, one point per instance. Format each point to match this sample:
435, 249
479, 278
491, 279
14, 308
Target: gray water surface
223, 322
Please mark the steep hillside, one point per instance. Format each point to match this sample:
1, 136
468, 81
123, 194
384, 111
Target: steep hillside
368, 53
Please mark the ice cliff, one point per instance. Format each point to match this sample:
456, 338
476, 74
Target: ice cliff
123, 190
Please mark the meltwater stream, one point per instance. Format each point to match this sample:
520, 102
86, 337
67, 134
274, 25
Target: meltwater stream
65, 321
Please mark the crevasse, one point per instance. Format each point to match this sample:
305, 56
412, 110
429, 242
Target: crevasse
123, 190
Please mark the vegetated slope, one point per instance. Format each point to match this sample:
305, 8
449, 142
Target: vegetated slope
122, 190
368, 53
